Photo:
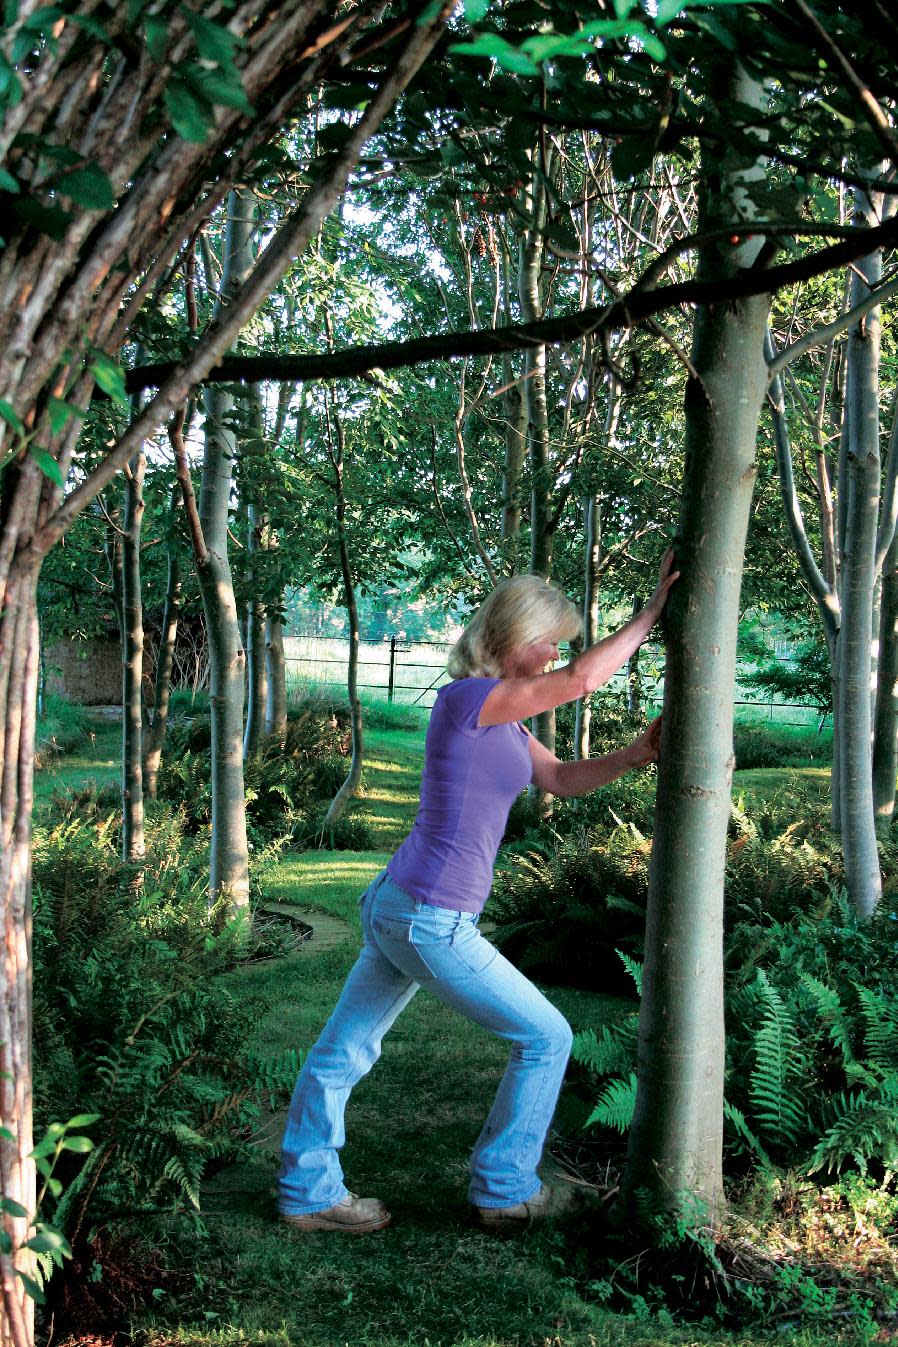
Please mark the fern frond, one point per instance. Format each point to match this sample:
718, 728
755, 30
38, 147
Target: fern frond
737, 1118
616, 1105
776, 1100
633, 967
832, 1014
604, 1056
880, 1028
864, 1128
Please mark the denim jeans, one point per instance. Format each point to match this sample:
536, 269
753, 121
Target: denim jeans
407, 945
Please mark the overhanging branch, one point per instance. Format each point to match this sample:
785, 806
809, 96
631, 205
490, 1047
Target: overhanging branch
627, 312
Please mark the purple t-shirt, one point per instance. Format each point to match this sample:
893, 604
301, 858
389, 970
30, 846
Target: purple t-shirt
471, 776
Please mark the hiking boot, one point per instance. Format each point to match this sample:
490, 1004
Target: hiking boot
353, 1216
545, 1205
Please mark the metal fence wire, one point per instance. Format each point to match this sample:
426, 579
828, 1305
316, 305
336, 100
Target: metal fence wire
412, 672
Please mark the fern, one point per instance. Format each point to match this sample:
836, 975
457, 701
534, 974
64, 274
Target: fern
737, 1118
832, 1013
616, 1105
880, 1028
633, 968
606, 1055
775, 1096
864, 1127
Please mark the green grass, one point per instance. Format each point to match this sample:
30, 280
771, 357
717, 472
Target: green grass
97, 760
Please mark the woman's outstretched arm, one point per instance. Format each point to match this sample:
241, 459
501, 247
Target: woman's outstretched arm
519, 698
566, 779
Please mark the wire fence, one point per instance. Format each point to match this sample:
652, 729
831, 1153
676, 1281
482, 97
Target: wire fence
412, 672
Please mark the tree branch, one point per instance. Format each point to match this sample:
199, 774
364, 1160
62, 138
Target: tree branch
821, 335
635, 307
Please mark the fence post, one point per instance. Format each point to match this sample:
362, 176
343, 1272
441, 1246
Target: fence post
392, 676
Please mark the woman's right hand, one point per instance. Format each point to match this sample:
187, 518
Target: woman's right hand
667, 578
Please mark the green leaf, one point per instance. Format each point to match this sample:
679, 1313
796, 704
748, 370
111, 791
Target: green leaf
92, 26
497, 49
5, 1242
32, 1288
109, 376
668, 9
50, 220
84, 1120
81, 1145
90, 187
632, 157
49, 1240
5, 1131
49, 467
190, 116
8, 183
475, 10
155, 30
54, 1186
10, 87
13, 1208
218, 87
61, 412
212, 42
12, 418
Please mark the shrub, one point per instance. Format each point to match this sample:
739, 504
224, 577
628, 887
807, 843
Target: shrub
812, 1045
766, 745
284, 782
134, 1019
562, 908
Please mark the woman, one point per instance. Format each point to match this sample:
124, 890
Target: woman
419, 917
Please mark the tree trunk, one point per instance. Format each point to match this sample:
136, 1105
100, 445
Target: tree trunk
885, 739
676, 1141
19, 659
275, 678
858, 572
634, 686
257, 692
133, 843
154, 737
340, 802
532, 248
592, 547
229, 858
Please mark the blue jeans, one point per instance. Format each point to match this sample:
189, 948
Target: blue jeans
409, 944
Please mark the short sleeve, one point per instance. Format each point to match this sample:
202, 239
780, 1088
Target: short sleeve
463, 699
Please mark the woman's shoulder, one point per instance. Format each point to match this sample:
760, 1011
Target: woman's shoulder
462, 699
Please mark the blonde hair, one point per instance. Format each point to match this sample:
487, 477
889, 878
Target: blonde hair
519, 611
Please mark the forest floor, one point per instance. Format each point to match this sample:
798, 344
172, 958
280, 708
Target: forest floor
431, 1279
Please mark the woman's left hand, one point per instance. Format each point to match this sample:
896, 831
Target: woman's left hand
647, 748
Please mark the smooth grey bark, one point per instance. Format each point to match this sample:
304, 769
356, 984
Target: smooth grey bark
822, 582
592, 550
256, 673
133, 840
340, 802
858, 581
530, 260
229, 852
676, 1140
154, 735
592, 547
275, 678
634, 684
885, 737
